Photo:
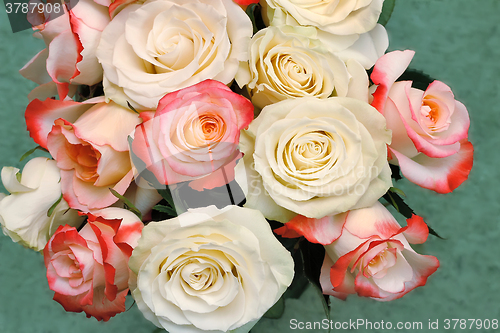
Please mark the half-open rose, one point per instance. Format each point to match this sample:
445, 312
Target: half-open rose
429, 128
88, 269
71, 40
373, 257
89, 143
34, 209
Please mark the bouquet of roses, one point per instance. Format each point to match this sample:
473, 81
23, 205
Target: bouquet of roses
213, 157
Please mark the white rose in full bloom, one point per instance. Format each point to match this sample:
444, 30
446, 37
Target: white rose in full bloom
290, 62
339, 17
314, 157
209, 270
161, 46
24, 213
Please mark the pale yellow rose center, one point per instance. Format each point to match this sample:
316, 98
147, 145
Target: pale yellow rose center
310, 152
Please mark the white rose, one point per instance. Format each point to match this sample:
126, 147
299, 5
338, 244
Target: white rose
367, 48
289, 62
314, 157
161, 46
209, 270
339, 17
24, 214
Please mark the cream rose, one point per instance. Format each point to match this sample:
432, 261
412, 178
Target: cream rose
24, 214
339, 17
315, 158
291, 62
209, 270
161, 46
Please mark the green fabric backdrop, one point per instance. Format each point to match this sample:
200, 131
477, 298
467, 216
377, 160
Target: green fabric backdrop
456, 41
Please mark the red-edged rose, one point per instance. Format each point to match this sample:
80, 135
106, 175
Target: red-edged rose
429, 128
373, 257
88, 269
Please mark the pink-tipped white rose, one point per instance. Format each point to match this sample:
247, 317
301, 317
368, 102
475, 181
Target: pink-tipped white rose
71, 40
89, 143
88, 269
429, 128
193, 135
373, 257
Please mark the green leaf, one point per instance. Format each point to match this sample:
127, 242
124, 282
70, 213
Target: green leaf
397, 202
299, 282
434, 233
397, 191
168, 197
128, 204
400, 205
31, 151
165, 209
277, 310
420, 79
132, 108
386, 11
312, 259
53, 207
19, 176
254, 12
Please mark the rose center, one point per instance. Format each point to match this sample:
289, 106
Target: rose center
205, 130
85, 159
434, 117
311, 150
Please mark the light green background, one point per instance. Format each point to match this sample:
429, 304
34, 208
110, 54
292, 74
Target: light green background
456, 41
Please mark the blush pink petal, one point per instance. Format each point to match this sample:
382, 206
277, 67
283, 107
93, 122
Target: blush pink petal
40, 116
35, 69
64, 53
326, 284
375, 220
422, 266
366, 288
416, 232
323, 231
442, 175
222, 176
93, 197
386, 71
107, 124
145, 149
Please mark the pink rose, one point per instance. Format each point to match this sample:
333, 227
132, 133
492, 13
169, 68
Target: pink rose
71, 41
373, 258
429, 128
193, 135
89, 143
88, 269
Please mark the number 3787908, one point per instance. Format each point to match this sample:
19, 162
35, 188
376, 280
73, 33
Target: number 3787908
33, 7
